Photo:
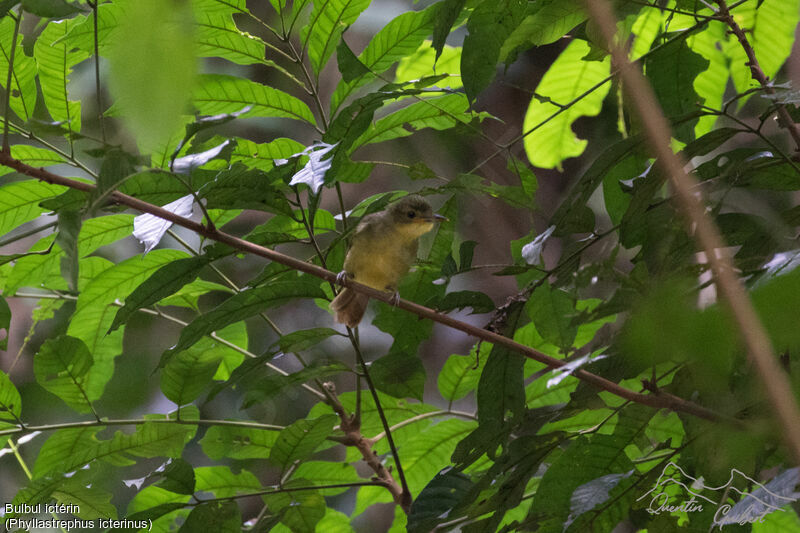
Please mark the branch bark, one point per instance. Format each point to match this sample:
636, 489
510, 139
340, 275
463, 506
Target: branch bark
660, 400
706, 234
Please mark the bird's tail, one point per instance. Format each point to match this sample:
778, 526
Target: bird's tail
349, 307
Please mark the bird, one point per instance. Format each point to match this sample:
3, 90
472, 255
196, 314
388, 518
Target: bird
383, 248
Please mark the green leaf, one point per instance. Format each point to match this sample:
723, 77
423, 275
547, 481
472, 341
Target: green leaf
399, 374
489, 25
501, 395
460, 374
349, 65
615, 160
161, 506
35, 157
188, 373
327, 473
61, 367
91, 502
672, 71
437, 499
328, 20
424, 64
478, 301
166, 281
95, 232
220, 481
423, 454
770, 25
299, 440
399, 38
501, 392
151, 95
265, 388
76, 447
178, 476
551, 142
10, 401
223, 516
242, 305
95, 310
552, 311
437, 113
50, 8
262, 156
447, 15
303, 339
586, 460
216, 34
23, 82
19, 201
298, 511
549, 22
238, 442
215, 94
55, 61
239, 187
69, 226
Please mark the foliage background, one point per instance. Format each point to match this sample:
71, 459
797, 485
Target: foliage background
618, 277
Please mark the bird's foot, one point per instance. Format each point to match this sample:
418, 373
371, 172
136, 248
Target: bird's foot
341, 277
395, 299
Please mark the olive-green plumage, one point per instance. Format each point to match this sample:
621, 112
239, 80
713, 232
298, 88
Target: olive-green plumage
383, 249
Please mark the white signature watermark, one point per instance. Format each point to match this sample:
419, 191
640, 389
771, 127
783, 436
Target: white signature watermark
695, 497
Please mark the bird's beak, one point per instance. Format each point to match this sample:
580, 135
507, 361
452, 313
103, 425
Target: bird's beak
441, 218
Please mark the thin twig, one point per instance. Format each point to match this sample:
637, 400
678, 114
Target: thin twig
138, 422
657, 130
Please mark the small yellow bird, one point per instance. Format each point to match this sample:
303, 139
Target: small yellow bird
384, 247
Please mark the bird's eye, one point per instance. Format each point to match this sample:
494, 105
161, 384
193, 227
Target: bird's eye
411, 214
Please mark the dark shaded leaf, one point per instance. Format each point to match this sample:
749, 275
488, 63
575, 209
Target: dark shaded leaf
443, 21
349, 65
61, 366
672, 70
10, 401
299, 440
166, 281
552, 311
242, 188
178, 477
234, 442
50, 8
437, 499
269, 386
242, 305
478, 301
221, 516
489, 25
501, 391
303, 339
399, 374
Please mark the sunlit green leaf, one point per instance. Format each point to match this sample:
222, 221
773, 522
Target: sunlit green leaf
551, 139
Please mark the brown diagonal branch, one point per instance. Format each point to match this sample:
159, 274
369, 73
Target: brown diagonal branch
724, 14
660, 400
657, 131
